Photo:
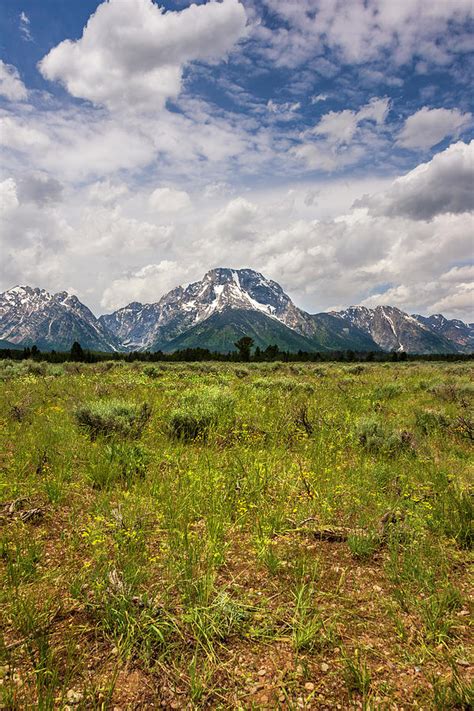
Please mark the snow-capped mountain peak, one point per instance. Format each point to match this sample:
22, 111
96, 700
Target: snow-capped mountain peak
35, 316
184, 307
229, 302
395, 330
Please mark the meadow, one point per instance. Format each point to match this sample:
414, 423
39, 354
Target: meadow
235, 536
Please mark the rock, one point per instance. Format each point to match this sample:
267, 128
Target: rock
74, 697
324, 667
309, 686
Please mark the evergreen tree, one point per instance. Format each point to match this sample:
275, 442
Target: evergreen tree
244, 345
77, 353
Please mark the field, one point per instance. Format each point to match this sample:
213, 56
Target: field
239, 536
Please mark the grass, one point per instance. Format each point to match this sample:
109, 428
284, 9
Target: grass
172, 557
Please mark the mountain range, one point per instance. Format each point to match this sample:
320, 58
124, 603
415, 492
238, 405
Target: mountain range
215, 312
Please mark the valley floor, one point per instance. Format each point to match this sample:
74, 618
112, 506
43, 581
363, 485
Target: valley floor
236, 537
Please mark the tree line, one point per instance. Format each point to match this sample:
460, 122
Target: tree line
244, 353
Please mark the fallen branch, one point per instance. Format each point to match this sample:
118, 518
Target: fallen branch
339, 534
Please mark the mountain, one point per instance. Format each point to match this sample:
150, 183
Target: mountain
9, 345
458, 332
395, 330
222, 329
50, 321
332, 332
149, 325
173, 321
215, 312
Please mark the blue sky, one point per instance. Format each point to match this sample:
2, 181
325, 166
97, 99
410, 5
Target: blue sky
326, 143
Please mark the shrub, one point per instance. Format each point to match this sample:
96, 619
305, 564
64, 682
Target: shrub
377, 439
388, 391
34, 368
356, 369
198, 411
113, 417
152, 371
451, 392
429, 420
464, 427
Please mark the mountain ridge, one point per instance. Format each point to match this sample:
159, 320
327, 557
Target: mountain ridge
229, 300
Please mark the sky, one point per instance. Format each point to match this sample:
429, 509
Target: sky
327, 144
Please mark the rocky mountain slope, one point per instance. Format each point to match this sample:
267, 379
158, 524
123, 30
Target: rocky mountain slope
395, 330
456, 331
50, 321
215, 312
156, 326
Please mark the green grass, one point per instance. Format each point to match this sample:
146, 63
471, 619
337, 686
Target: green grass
176, 558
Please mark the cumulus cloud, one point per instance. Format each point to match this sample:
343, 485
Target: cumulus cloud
428, 127
39, 188
11, 86
107, 192
146, 285
234, 222
18, 135
168, 200
340, 126
341, 138
8, 195
362, 31
443, 185
132, 54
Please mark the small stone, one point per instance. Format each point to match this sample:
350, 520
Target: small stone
377, 588
309, 686
324, 667
262, 672
74, 697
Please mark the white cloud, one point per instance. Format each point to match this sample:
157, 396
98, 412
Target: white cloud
319, 97
18, 135
146, 285
8, 195
234, 222
25, 27
444, 184
283, 111
428, 127
131, 54
11, 86
340, 126
168, 200
341, 138
107, 192
362, 31
101, 249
